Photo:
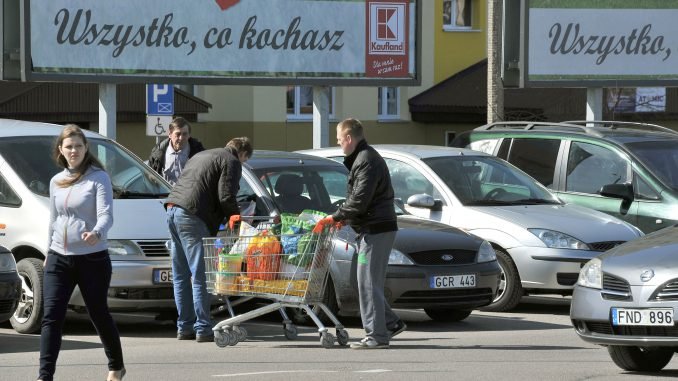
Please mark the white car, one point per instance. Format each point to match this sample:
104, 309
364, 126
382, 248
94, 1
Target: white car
141, 262
541, 243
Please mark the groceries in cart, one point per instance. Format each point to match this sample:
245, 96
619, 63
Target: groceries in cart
284, 259
265, 255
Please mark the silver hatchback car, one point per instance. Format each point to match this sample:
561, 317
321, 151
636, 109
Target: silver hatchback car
541, 242
627, 298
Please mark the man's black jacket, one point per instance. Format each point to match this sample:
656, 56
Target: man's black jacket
369, 202
157, 158
208, 186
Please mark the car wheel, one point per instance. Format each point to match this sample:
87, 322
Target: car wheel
446, 315
28, 315
640, 359
510, 290
300, 317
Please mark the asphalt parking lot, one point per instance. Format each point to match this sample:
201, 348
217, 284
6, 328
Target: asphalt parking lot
534, 342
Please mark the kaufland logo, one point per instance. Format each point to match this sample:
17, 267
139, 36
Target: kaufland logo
387, 28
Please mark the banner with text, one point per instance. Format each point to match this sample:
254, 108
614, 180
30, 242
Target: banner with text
616, 42
222, 39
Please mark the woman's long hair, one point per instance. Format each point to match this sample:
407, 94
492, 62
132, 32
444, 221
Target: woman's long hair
69, 131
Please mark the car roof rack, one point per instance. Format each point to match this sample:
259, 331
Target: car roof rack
591, 127
531, 125
618, 125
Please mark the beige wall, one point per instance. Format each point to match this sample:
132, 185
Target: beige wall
288, 136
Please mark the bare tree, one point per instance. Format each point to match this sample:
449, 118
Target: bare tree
495, 87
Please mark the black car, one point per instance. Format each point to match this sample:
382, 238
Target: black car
433, 266
10, 284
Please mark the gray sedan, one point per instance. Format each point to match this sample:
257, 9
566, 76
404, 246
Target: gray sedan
626, 299
433, 266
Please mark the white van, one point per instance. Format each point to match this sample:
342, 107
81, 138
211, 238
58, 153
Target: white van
141, 261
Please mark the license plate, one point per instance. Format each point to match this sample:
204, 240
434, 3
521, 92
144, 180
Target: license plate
453, 281
648, 316
161, 276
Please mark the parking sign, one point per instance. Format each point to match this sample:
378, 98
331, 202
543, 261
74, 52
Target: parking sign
159, 99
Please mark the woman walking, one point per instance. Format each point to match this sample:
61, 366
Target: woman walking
81, 213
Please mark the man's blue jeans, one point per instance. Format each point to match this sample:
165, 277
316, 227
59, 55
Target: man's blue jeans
191, 297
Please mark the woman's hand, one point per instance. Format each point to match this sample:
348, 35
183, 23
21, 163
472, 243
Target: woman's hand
90, 237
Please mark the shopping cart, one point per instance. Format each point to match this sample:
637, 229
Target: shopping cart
252, 264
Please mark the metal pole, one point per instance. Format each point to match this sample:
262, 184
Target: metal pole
594, 103
107, 109
321, 116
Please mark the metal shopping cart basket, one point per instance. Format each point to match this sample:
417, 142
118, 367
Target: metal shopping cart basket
252, 263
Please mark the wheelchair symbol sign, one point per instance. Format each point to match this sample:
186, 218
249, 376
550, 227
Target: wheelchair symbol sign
157, 125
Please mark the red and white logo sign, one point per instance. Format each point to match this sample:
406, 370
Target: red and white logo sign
387, 37
387, 28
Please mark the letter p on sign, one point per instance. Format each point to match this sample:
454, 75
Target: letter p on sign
159, 99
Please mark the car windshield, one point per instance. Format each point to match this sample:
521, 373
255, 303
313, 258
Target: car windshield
487, 180
31, 158
660, 157
297, 188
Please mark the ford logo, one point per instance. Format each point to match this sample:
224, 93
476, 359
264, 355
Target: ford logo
646, 275
447, 257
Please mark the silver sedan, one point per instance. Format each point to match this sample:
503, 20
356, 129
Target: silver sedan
626, 299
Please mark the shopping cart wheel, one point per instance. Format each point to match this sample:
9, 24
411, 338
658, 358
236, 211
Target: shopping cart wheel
220, 339
342, 336
240, 332
326, 340
232, 338
291, 331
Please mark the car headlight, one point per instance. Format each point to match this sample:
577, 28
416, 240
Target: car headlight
398, 258
486, 253
123, 247
591, 275
7, 263
558, 240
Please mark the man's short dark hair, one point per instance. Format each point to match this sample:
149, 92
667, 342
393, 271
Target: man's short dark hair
353, 127
241, 144
179, 122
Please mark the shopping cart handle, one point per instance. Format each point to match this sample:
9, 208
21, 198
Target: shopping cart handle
233, 220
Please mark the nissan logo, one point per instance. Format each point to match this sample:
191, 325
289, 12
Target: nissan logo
447, 257
646, 275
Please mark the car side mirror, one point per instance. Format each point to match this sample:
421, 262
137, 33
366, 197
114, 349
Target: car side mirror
623, 191
423, 200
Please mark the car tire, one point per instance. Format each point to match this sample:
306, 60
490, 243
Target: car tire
300, 317
28, 316
447, 315
640, 359
510, 290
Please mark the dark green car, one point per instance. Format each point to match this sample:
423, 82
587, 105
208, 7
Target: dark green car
628, 170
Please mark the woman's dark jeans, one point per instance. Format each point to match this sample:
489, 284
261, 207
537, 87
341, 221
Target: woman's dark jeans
92, 273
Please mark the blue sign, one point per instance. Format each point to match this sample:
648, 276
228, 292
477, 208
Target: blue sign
159, 99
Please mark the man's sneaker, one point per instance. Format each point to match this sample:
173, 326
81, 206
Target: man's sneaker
204, 338
185, 336
399, 328
368, 343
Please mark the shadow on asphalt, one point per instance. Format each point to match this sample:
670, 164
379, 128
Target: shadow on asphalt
31, 343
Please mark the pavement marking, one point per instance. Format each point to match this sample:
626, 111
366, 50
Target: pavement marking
373, 371
274, 372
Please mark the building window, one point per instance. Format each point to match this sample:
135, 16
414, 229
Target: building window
457, 14
300, 102
389, 103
